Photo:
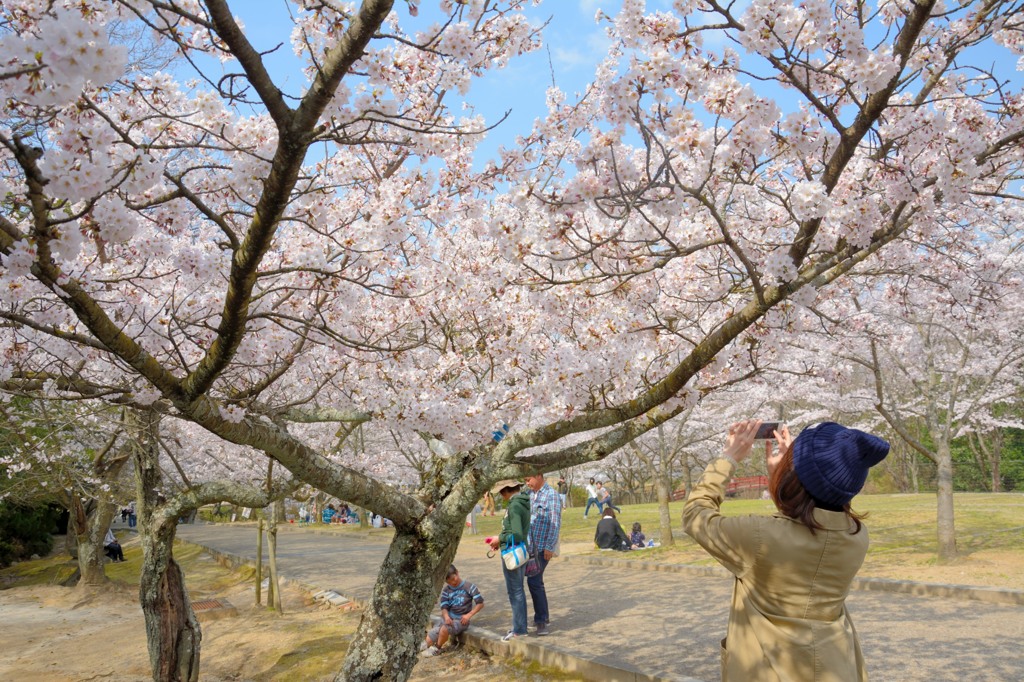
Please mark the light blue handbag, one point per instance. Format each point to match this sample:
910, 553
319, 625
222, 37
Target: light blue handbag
514, 554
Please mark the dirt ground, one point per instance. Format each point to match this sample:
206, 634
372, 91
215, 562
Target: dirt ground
52, 633
61, 634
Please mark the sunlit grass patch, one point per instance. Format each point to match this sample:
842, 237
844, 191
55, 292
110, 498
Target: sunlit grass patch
989, 533
52, 570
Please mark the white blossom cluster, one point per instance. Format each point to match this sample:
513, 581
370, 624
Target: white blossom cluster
49, 63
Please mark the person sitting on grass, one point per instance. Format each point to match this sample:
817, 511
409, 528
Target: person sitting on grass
637, 537
460, 601
609, 534
112, 547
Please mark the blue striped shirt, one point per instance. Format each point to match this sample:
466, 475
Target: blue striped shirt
545, 519
459, 600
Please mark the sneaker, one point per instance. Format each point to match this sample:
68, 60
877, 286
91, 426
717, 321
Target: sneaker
430, 651
510, 636
542, 629
423, 645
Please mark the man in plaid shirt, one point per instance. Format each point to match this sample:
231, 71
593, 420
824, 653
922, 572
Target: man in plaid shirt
545, 522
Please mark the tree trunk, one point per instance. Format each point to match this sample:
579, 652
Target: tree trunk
90, 527
172, 631
946, 528
91, 556
71, 540
914, 471
274, 593
663, 489
387, 642
994, 454
259, 562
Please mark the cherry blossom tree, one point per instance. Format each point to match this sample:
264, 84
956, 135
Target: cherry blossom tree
278, 267
74, 454
664, 451
960, 362
172, 481
933, 344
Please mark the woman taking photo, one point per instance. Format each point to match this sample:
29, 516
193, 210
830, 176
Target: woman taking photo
788, 618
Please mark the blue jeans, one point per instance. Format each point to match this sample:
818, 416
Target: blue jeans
516, 597
537, 593
590, 501
608, 503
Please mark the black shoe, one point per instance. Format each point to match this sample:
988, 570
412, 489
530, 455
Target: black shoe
542, 629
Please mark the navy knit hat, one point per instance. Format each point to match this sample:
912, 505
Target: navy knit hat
832, 461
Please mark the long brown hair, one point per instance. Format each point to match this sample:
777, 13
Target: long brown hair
793, 500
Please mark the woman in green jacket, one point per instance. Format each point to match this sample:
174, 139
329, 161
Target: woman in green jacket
788, 618
515, 527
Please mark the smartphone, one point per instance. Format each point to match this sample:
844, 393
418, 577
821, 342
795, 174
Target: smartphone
766, 430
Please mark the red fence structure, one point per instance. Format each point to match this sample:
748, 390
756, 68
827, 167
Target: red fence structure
742, 484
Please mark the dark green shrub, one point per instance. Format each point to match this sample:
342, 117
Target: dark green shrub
25, 531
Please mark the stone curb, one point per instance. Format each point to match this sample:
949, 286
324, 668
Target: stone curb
555, 657
487, 641
234, 561
988, 595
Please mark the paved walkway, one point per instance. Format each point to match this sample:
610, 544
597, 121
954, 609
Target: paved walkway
664, 624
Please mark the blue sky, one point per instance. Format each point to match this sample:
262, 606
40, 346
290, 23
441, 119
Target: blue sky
574, 44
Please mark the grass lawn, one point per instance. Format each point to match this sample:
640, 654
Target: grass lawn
989, 531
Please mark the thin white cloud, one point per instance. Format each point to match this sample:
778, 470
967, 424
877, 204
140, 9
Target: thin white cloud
589, 7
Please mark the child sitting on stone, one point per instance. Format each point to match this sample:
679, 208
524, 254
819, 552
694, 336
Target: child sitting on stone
460, 601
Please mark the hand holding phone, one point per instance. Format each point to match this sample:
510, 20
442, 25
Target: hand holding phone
766, 431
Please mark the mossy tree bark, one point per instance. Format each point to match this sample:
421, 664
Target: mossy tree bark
90, 517
387, 642
90, 523
173, 634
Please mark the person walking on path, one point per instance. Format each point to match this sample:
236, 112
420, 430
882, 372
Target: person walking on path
788, 617
563, 492
545, 525
131, 514
604, 497
488, 506
592, 498
515, 528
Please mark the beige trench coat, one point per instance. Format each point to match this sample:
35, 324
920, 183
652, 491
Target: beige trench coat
788, 618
